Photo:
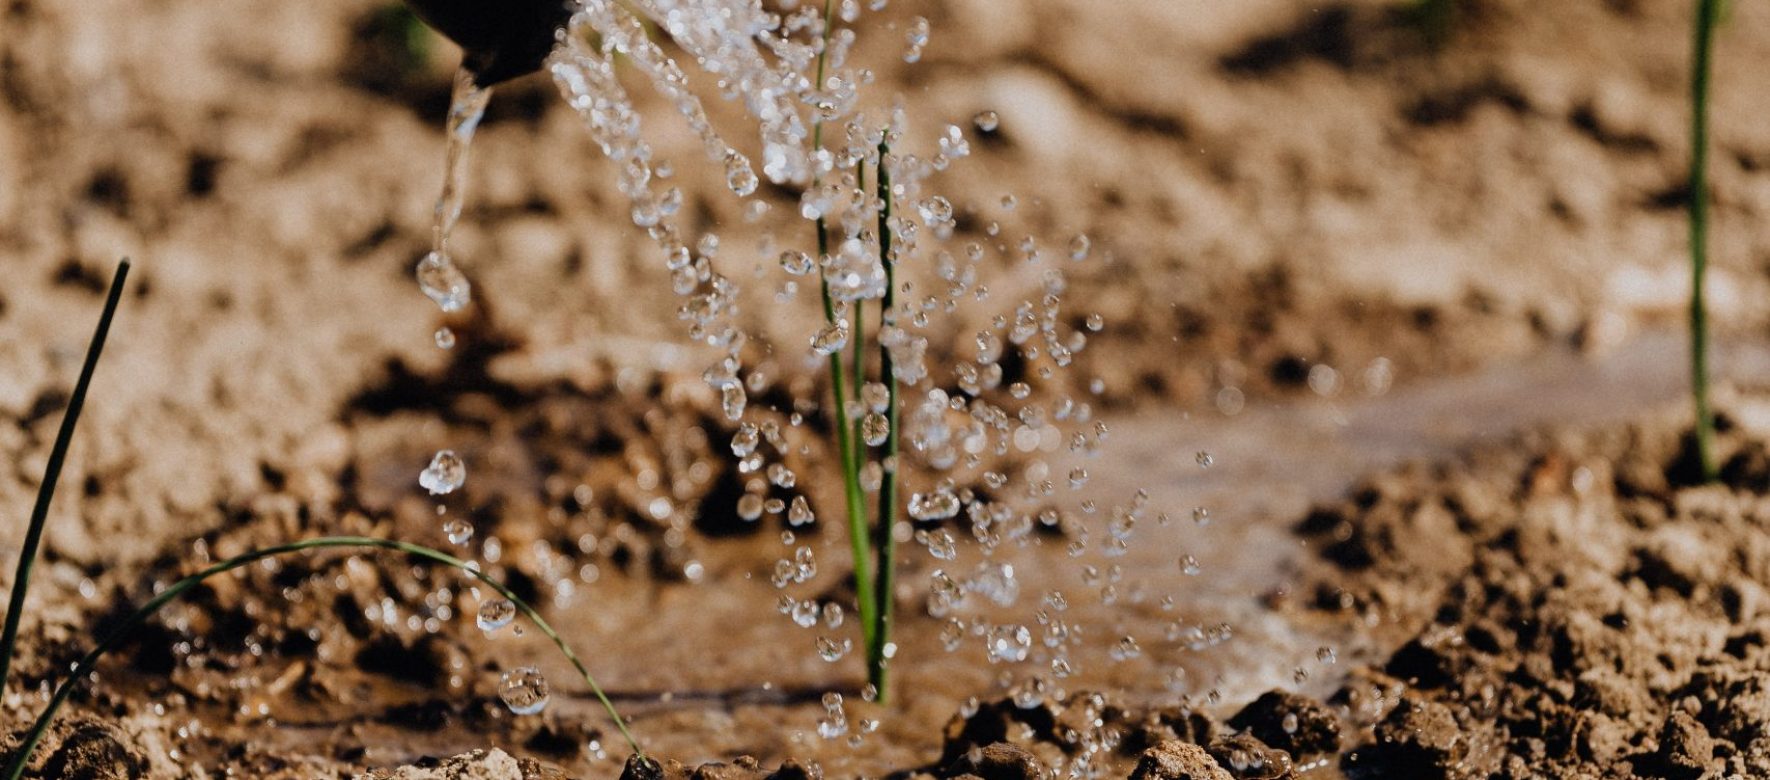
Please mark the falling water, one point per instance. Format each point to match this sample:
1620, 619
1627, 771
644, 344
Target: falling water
438, 275
813, 139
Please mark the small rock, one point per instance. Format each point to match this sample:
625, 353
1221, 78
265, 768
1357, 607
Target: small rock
1176, 760
1292, 723
1419, 738
999, 761
477, 765
94, 750
792, 769
990, 724
1248, 758
718, 770
647, 768
1686, 750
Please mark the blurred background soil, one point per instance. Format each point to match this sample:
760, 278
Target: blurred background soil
1286, 200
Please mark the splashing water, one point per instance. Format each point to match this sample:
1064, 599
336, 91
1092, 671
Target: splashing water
811, 137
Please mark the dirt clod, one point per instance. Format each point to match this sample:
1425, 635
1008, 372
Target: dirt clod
478, 765
999, 761
93, 750
1177, 760
1248, 758
1295, 724
1685, 750
1420, 738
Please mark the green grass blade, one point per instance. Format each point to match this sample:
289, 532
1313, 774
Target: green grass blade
15, 769
27, 556
1702, 53
850, 460
887, 542
846, 441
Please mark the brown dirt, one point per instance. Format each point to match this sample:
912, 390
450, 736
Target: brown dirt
1578, 606
1279, 185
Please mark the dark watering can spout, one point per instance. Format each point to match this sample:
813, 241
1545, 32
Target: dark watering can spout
501, 39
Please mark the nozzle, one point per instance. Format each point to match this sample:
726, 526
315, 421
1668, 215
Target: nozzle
501, 39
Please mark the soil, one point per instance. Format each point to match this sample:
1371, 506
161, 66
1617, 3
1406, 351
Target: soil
1329, 238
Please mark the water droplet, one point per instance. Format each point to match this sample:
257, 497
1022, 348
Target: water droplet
831, 728
1204, 459
831, 338
496, 614
1126, 648
875, 428
524, 690
796, 262
445, 473
940, 544
804, 613
445, 338
1079, 247
749, 507
457, 530
733, 400
987, 121
1189, 566
830, 650
443, 282
744, 441
936, 210
996, 581
939, 505
989, 347
917, 37
876, 396
943, 594
738, 174
781, 476
799, 512
952, 634
1009, 644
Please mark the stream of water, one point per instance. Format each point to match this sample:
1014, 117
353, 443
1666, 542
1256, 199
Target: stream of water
1174, 526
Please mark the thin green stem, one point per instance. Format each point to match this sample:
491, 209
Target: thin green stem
21, 578
857, 513
845, 433
1706, 14
15, 769
857, 331
887, 542
859, 338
